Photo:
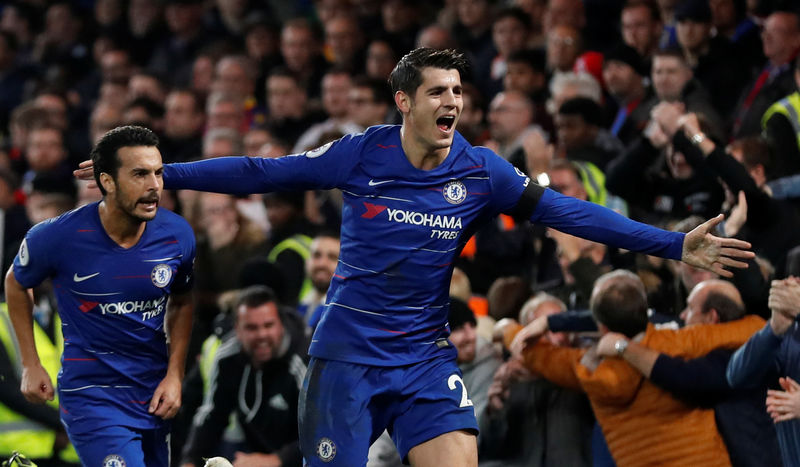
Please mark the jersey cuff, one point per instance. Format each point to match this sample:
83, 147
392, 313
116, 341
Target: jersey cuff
527, 202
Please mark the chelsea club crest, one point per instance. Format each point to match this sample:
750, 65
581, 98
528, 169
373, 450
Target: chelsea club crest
114, 460
455, 192
326, 450
161, 275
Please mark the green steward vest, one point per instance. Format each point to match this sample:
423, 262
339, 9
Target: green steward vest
18, 433
789, 106
301, 244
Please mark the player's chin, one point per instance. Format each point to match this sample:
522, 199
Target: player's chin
145, 215
443, 141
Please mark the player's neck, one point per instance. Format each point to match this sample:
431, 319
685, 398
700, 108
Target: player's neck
123, 229
419, 154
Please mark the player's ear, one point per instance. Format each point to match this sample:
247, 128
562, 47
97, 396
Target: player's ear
107, 182
402, 101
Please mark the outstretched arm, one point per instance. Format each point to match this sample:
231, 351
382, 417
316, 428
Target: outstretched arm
698, 248
322, 168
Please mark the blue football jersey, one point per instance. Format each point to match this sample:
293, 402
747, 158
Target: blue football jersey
402, 229
112, 302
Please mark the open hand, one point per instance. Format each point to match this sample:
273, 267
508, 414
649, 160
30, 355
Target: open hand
703, 250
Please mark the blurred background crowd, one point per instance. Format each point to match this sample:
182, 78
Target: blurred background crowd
667, 111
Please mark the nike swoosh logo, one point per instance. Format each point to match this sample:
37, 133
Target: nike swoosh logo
374, 183
78, 278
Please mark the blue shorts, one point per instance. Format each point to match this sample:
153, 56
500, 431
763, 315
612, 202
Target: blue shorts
344, 408
117, 446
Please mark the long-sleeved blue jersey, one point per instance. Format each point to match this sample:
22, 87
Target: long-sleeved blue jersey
402, 229
112, 302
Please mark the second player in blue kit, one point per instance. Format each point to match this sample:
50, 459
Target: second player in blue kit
413, 196
121, 270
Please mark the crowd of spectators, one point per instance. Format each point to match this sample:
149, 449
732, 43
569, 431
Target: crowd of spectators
667, 111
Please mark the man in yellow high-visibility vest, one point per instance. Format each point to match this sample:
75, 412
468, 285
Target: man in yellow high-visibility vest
30, 429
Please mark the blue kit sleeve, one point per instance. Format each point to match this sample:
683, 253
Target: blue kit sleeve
323, 168
514, 192
34, 261
599, 224
507, 183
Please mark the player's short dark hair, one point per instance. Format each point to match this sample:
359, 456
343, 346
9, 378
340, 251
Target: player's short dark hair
620, 303
407, 74
105, 155
727, 308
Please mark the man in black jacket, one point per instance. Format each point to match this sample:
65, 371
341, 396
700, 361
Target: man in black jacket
257, 375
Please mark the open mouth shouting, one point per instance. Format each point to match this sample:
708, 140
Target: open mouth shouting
149, 203
445, 123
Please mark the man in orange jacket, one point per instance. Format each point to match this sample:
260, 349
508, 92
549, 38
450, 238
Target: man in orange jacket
642, 423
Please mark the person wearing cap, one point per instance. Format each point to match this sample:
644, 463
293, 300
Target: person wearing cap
713, 59
475, 358
624, 74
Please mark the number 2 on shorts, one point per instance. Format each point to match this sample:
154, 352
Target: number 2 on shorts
451, 383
